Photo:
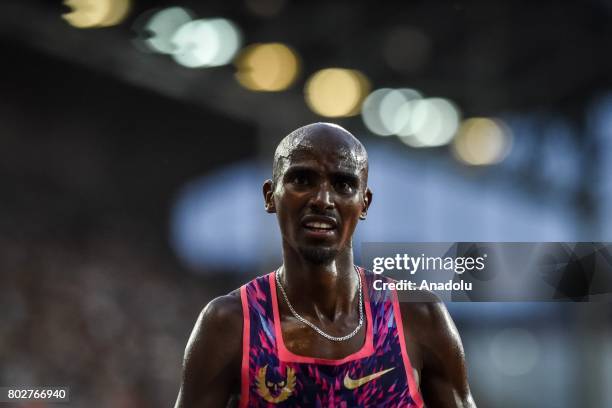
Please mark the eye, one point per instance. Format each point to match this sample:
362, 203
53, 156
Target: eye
342, 186
299, 179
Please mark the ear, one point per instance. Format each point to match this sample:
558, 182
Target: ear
268, 193
367, 200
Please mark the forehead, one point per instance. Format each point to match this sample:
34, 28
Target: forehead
337, 158
327, 147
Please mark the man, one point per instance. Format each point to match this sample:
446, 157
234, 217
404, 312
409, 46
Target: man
314, 332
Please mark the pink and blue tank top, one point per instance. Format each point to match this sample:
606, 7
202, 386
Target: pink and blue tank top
377, 375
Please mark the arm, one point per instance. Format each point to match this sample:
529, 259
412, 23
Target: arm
211, 366
443, 375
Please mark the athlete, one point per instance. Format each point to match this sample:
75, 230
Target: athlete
314, 333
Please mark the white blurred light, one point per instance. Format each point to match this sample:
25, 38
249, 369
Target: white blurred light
396, 110
230, 41
482, 141
162, 26
514, 352
96, 13
206, 43
387, 111
370, 112
433, 122
389, 107
416, 121
412, 141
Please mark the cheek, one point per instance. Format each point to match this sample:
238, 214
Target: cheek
350, 226
350, 216
286, 215
281, 217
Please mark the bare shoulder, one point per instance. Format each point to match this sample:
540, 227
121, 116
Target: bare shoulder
223, 317
427, 317
435, 342
224, 307
211, 365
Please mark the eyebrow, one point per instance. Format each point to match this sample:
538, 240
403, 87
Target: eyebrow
299, 168
339, 173
347, 175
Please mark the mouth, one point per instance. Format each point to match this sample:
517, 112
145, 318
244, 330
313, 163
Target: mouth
319, 226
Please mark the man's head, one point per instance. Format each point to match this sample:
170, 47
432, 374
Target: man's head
318, 190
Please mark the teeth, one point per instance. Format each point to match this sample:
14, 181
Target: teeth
320, 225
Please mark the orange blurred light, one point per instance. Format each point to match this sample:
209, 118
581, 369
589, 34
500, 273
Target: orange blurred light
482, 141
336, 92
267, 67
96, 13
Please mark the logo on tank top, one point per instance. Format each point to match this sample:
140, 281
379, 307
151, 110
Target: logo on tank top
352, 384
275, 390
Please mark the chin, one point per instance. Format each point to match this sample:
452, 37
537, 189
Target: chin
318, 255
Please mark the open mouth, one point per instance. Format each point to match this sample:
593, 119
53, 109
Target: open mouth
319, 226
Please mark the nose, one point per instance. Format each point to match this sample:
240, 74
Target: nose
323, 198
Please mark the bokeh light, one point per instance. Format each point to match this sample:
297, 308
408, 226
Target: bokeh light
370, 112
406, 49
387, 111
160, 28
206, 43
418, 122
96, 13
433, 122
482, 141
514, 351
267, 67
336, 92
396, 110
265, 8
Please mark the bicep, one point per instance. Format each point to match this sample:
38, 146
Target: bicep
211, 364
444, 375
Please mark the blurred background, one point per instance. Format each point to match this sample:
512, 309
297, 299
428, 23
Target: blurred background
135, 136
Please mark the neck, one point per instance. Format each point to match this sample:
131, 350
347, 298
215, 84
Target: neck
323, 291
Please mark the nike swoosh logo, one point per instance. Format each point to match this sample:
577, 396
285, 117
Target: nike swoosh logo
352, 384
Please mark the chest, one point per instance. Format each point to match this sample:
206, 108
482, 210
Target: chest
300, 367
304, 341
